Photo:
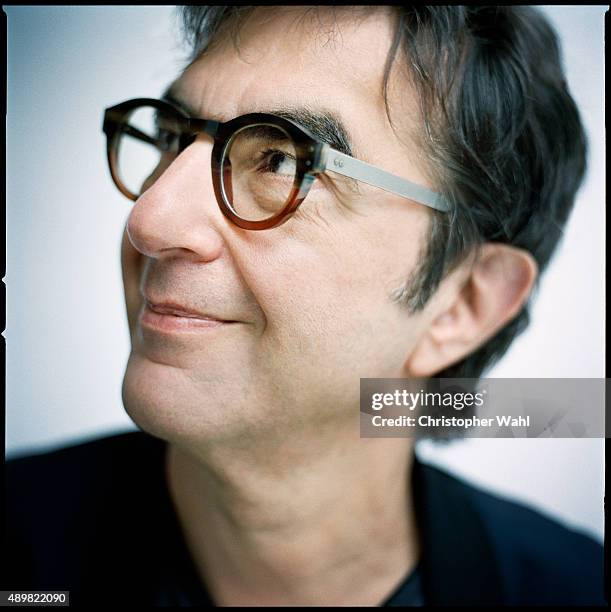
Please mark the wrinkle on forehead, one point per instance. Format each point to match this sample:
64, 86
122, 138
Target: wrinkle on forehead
323, 21
348, 44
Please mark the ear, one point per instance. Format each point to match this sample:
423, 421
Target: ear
475, 303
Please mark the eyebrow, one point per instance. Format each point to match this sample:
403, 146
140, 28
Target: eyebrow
323, 124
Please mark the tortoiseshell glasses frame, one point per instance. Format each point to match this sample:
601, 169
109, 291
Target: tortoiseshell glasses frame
313, 157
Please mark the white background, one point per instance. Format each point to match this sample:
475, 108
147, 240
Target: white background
67, 340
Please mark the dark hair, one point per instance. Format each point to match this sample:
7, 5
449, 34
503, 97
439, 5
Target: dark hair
501, 131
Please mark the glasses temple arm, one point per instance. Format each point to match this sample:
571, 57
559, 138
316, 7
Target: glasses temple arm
362, 171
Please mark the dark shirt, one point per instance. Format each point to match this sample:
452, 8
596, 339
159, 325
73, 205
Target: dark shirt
96, 519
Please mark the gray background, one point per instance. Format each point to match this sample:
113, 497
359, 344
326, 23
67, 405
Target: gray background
67, 340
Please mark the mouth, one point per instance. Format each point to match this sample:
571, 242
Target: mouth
173, 317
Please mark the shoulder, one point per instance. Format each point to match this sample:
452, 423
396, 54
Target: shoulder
539, 559
71, 508
78, 472
73, 460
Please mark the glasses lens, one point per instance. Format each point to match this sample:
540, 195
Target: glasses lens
147, 144
259, 170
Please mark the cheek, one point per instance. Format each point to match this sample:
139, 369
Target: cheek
327, 301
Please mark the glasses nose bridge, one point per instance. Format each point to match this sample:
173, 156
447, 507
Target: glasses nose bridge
190, 129
194, 127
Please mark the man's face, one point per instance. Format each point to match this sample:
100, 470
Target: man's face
310, 300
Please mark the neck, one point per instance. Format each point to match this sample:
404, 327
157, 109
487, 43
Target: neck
328, 521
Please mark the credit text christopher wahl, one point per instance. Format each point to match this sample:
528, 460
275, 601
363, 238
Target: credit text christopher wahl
444, 421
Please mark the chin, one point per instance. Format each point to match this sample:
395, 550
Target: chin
162, 401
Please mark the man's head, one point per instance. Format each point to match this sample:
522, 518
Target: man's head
359, 282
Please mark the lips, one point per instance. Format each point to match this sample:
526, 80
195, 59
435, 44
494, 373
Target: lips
168, 307
172, 308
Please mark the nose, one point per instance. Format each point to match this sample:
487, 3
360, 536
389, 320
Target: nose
178, 213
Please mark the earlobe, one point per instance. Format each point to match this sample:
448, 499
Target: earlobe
491, 292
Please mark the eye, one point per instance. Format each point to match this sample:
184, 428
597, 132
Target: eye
280, 162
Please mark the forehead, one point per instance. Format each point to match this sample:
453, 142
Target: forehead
294, 55
323, 59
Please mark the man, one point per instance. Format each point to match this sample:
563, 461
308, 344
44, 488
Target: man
259, 291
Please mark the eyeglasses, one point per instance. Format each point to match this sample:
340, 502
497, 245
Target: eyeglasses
262, 165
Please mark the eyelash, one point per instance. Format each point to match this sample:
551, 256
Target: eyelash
266, 154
